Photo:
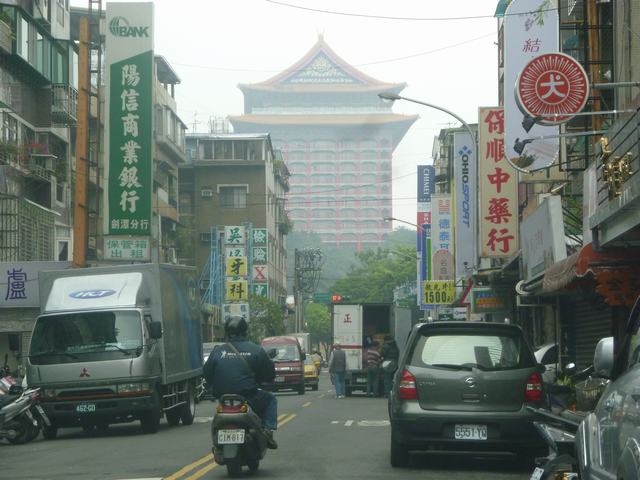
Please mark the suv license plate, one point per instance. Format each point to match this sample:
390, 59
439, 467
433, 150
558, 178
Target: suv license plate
470, 432
230, 437
537, 474
86, 408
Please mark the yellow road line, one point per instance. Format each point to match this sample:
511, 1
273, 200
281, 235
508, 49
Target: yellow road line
287, 420
190, 467
282, 420
307, 404
202, 471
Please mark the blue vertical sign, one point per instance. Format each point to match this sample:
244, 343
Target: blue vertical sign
426, 188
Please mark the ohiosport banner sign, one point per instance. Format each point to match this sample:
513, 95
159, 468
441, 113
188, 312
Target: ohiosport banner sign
129, 113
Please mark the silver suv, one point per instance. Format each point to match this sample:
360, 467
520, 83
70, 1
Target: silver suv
463, 386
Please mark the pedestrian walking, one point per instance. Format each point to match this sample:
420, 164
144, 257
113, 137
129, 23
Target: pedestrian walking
337, 369
390, 355
373, 359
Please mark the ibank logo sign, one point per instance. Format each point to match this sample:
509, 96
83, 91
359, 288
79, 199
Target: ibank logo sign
120, 27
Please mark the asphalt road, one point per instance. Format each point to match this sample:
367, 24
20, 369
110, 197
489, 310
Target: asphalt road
320, 437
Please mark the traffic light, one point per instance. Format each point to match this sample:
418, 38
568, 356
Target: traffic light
339, 298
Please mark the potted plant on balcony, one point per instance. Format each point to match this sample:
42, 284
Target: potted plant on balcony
8, 151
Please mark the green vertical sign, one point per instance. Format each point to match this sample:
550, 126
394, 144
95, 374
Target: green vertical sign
130, 159
129, 114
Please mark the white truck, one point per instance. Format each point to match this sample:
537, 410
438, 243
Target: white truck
116, 344
352, 325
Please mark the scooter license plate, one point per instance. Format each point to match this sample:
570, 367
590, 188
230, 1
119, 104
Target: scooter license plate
43, 415
537, 474
230, 437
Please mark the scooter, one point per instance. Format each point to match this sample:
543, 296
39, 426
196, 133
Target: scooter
22, 416
559, 432
237, 435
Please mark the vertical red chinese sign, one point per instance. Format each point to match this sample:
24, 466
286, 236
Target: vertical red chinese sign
498, 188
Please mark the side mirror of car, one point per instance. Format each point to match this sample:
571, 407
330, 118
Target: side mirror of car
304, 356
570, 368
272, 353
603, 358
155, 330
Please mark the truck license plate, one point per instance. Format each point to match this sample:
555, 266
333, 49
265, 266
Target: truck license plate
361, 380
470, 432
86, 408
230, 437
279, 380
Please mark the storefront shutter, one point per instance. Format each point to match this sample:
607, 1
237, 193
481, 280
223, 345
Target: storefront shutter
590, 325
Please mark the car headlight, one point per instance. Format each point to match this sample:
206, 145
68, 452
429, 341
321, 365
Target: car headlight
133, 387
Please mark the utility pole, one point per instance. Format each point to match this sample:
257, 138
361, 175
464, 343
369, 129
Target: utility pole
80, 207
307, 268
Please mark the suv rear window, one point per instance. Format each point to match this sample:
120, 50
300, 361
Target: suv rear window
488, 352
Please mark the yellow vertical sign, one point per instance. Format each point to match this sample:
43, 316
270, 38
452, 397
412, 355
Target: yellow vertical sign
237, 266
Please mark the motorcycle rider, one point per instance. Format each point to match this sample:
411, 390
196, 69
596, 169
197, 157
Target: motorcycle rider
238, 367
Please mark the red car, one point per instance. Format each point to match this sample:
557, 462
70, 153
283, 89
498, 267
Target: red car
289, 361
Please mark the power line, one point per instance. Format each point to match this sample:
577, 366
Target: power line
414, 19
374, 62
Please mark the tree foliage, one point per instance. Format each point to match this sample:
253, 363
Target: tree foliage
266, 318
318, 320
378, 273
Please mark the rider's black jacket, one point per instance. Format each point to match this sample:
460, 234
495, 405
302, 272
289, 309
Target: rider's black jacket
226, 372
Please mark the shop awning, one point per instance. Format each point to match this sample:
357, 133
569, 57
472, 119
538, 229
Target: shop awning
616, 273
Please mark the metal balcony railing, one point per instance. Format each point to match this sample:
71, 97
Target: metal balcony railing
64, 104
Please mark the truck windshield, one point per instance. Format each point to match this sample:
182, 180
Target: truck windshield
88, 336
286, 353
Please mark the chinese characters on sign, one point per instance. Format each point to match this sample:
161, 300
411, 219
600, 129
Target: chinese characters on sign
237, 290
498, 185
235, 310
127, 249
260, 276
237, 266
129, 128
234, 235
426, 187
442, 242
439, 292
16, 284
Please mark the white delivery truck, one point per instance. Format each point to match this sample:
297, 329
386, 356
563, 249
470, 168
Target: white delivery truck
353, 326
117, 344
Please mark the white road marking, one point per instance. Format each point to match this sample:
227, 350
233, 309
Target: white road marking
203, 419
348, 423
374, 423
335, 422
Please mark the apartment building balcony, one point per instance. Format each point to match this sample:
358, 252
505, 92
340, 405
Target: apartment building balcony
6, 37
27, 230
39, 166
64, 105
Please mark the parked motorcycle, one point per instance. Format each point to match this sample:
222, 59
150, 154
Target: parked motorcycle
22, 416
559, 433
237, 435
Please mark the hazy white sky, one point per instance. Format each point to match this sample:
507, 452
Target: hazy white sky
215, 45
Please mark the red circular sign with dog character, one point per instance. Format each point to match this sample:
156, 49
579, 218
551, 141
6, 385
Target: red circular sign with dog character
553, 83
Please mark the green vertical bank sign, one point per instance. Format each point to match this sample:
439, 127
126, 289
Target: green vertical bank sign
129, 125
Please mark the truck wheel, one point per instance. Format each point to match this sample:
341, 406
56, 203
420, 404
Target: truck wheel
188, 410
150, 420
301, 390
173, 416
315, 387
49, 433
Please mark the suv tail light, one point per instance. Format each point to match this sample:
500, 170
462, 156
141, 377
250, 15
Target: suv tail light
533, 391
407, 386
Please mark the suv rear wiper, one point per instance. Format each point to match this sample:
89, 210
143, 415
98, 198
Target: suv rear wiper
451, 366
53, 352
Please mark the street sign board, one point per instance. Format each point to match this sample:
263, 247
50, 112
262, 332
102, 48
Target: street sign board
552, 83
127, 248
321, 297
439, 292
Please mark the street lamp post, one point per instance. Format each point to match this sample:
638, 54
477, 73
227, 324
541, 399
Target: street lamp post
389, 219
392, 97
